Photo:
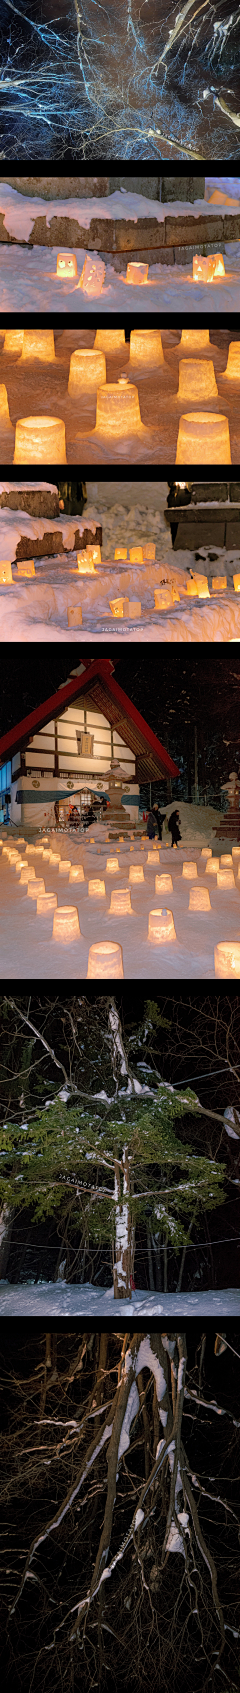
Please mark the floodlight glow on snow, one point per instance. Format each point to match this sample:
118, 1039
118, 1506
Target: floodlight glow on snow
105, 959
137, 273
118, 411
66, 265
36, 888
136, 873
5, 570
45, 903
26, 568
92, 276
212, 866
136, 555
13, 340
76, 874
236, 584
74, 615
111, 866
203, 437
87, 372
146, 347
163, 884
233, 362
225, 879
227, 958
205, 270
120, 902
196, 380
161, 926
38, 344
162, 599
96, 889
189, 869
66, 927
4, 407
219, 583
40, 440
110, 340
120, 552
199, 899
64, 866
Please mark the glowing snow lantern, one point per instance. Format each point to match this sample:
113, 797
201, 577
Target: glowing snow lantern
199, 899
46, 903
219, 583
55, 857
96, 889
137, 273
226, 858
87, 372
40, 440
191, 589
196, 380
110, 340
206, 852
38, 344
111, 866
13, 340
233, 363
64, 866
92, 276
5, 570
136, 555
118, 411
120, 902
94, 553
26, 568
76, 874
46, 855
136, 873
203, 437
85, 565
36, 888
201, 587
5, 421
236, 852
212, 866
236, 584
205, 269
189, 869
74, 615
27, 873
146, 348
163, 884
161, 926
120, 552
105, 959
225, 879
20, 862
162, 598
195, 340
153, 857
66, 266
149, 552
66, 927
133, 608
227, 958
13, 856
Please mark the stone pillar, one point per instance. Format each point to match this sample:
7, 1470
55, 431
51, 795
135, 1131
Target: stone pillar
182, 188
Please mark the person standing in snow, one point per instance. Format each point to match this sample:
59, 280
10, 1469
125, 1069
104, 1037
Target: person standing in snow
160, 819
151, 824
173, 822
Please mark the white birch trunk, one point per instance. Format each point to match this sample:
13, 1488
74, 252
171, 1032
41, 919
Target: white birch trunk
123, 1266
6, 1224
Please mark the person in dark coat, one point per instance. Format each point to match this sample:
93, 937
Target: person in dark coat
160, 819
178, 496
173, 822
72, 497
151, 825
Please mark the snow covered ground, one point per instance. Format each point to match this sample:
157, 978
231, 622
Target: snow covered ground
61, 1299
25, 936
29, 283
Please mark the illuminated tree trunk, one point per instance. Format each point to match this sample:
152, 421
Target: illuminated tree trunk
123, 1253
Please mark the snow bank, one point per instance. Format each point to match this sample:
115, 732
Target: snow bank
28, 282
20, 210
59, 1300
14, 525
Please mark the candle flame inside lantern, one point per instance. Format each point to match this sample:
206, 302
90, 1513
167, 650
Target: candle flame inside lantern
66, 925
5, 570
105, 959
227, 958
206, 269
161, 926
137, 273
86, 566
66, 265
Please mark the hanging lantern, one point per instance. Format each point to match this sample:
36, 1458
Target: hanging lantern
111, 866
66, 927
189, 869
219, 583
137, 273
212, 866
40, 440
13, 340
161, 926
136, 873
199, 899
66, 266
45, 904
92, 276
120, 552
64, 866
97, 889
38, 344
74, 615
5, 570
163, 884
136, 555
118, 411
87, 372
227, 958
76, 873
146, 348
225, 879
203, 437
26, 568
36, 888
105, 959
197, 380
120, 902
110, 340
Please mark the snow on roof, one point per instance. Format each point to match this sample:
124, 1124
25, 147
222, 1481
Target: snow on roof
97, 680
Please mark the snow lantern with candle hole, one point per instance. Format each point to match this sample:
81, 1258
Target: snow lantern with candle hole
66, 927
161, 927
199, 899
40, 440
218, 584
112, 866
146, 348
118, 411
136, 873
26, 568
92, 276
225, 879
136, 555
203, 437
120, 552
36, 888
105, 959
5, 570
96, 889
66, 266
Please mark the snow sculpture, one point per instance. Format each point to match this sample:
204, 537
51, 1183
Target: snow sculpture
66, 266
96, 889
110, 340
118, 410
105, 960
38, 344
92, 276
233, 363
46, 903
161, 926
137, 273
74, 615
205, 270
5, 570
87, 372
120, 904
66, 926
189, 869
199, 899
40, 440
76, 874
203, 438
197, 380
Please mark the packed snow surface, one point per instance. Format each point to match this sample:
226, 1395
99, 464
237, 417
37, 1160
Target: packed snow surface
29, 282
61, 1299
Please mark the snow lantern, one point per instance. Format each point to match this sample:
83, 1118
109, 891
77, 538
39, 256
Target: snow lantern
191, 589
136, 873
136, 555
66, 266
55, 857
19, 865
74, 615
133, 608
201, 587
153, 856
40, 440
149, 552
94, 553
212, 866
226, 858
5, 570
117, 607
206, 852
196, 380
137, 273
219, 583
236, 584
92, 276
36, 888
13, 340
26, 568
120, 552
38, 344
120, 902
162, 598
5, 420
96, 889
227, 958
111, 866
199, 899
76, 874
205, 269
196, 340
203, 438
13, 856
146, 348
233, 363
46, 903
225, 879
189, 869
118, 411
64, 866
161, 926
46, 854
66, 925
87, 372
85, 565
27, 873
105, 959
110, 340
236, 852
163, 884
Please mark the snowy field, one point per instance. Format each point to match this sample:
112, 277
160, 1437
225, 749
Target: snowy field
26, 936
29, 280
61, 1299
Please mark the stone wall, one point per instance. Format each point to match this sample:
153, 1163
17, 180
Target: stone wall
182, 188
59, 187
173, 241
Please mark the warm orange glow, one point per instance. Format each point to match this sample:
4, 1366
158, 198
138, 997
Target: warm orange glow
116, 607
46, 854
36, 888
236, 584
227, 958
118, 410
226, 858
149, 552
136, 873
120, 552
38, 344
189, 869
105, 959
111, 866
133, 608
191, 589
203, 437
20, 864
14, 856
92, 275
163, 884
55, 857
64, 866
66, 925
13, 340
212, 866
40, 440
45, 903
206, 852
110, 340
4, 407
161, 926
96, 889
225, 879
85, 565
137, 273
162, 598
196, 340
199, 899
94, 553
136, 555
205, 269
152, 856
74, 615
221, 199
26, 568
146, 347
202, 589
27, 873
87, 372
196, 380
236, 852
76, 874
5, 570
233, 363
219, 583
120, 902
66, 265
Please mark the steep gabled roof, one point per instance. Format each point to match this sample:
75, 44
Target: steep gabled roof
97, 682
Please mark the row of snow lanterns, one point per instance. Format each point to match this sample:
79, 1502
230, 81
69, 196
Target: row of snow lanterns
93, 272
106, 958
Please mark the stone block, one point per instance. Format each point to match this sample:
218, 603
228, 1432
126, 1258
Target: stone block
146, 233
233, 532
151, 255
231, 226
198, 532
147, 185
186, 231
52, 542
209, 491
37, 502
61, 232
182, 188
60, 187
234, 490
